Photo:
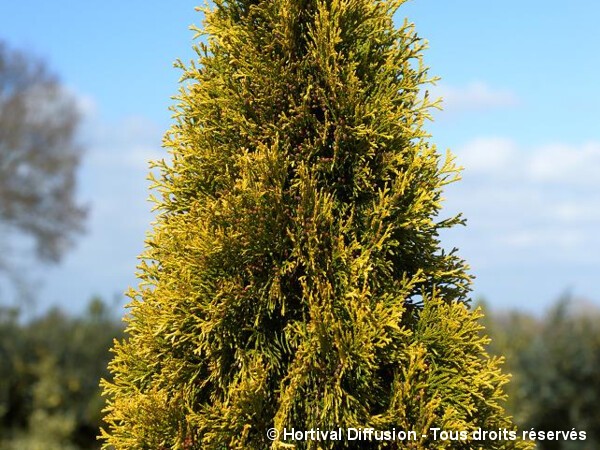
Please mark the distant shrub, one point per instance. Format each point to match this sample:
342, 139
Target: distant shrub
555, 363
50, 370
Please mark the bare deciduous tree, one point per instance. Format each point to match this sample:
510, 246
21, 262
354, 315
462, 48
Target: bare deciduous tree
39, 155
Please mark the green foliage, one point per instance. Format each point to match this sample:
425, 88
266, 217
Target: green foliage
555, 362
49, 374
294, 276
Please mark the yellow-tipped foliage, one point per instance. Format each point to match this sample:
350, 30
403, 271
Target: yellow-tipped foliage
294, 277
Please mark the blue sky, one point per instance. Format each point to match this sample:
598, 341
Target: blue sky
520, 82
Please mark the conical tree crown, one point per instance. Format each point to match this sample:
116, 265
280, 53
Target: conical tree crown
294, 277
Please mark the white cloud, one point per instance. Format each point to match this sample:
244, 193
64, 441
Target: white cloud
560, 239
476, 96
563, 163
86, 104
115, 169
540, 203
577, 213
554, 163
136, 157
488, 155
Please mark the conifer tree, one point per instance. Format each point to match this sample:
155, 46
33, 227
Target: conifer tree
294, 277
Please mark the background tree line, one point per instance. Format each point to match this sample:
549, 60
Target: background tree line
50, 368
555, 364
